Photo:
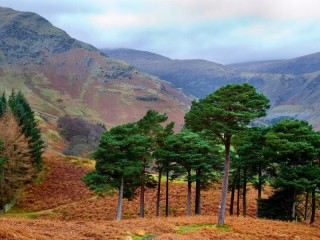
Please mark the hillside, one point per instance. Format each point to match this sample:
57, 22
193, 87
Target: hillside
291, 85
194, 76
61, 76
66, 209
300, 65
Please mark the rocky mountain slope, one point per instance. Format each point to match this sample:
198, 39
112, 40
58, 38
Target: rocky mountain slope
63, 76
293, 86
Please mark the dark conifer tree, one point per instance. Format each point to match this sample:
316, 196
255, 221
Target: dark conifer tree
26, 119
3, 104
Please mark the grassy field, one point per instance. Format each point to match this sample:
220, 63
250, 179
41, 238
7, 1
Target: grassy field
59, 206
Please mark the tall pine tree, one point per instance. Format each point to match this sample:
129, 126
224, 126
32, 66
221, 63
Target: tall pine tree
26, 119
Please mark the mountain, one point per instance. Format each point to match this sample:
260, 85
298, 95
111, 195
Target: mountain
293, 86
62, 76
194, 76
297, 66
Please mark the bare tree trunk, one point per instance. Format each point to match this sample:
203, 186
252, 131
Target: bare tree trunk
238, 193
244, 192
158, 193
142, 193
259, 189
198, 194
224, 191
306, 206
167, 194
313, 206
120, 200
232, 194
293, 211
189, 194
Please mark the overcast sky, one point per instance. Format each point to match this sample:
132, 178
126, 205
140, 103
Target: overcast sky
223, 31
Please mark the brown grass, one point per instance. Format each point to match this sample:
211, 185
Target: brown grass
61, 207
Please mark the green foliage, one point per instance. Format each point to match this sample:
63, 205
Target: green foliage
224, 113
3, 159
250, 147
3, 104
278, 206
25, 115
227, 111
195, 227
187, 149
292, 142
96, 182
119, 154
145, 237
293, 149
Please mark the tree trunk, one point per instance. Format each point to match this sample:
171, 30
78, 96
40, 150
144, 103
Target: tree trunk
244, 192
259, 189
158, 193
120, 200
2, 189
238, 193
306, 206
142, 193
167, 194
197, 209
232, 194
313, 206
189, 194
224, 191
293, 211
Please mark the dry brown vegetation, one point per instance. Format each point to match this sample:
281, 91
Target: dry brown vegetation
19, 167
61, 207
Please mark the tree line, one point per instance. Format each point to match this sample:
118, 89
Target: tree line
285, 154
20, 146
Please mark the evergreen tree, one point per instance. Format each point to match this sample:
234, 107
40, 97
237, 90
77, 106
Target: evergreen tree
294, 147
250, 146
118, 159
162, 164
188, 150
3, 104
224, 113
29, 126
150, 126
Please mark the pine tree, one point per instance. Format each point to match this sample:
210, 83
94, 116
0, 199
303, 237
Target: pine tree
224, 113
3, 104
118, 159
294, 147
150, 126
26, 118
188, 150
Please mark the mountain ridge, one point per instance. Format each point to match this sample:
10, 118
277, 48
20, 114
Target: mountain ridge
291, 85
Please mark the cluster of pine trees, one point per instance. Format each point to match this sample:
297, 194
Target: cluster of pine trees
20, 146
285, 154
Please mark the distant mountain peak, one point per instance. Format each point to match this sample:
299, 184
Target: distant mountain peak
28, 35
63, 76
